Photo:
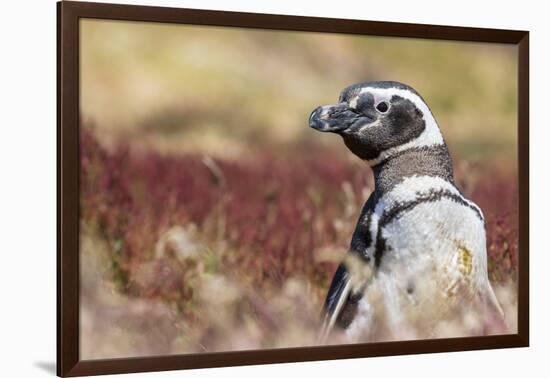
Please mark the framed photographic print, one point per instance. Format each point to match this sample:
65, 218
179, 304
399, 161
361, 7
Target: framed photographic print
239, 188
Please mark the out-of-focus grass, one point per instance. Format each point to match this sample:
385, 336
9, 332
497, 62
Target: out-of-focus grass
181, 88
204, 254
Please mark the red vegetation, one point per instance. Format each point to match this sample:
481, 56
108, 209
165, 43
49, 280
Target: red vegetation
272, 214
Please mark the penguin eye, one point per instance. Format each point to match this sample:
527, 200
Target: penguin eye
382, 107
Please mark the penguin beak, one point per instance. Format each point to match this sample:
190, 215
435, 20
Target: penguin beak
333, 118
329, 118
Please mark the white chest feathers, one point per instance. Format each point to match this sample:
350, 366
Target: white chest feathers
433, 247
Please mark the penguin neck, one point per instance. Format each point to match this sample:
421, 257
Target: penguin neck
434, 161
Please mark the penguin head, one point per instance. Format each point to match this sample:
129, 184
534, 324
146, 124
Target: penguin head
377, 119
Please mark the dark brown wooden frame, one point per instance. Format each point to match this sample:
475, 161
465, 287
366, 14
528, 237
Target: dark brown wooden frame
68, 16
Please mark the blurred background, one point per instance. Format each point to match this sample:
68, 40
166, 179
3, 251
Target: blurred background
213, 218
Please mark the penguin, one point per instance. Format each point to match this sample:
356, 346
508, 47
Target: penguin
418, 255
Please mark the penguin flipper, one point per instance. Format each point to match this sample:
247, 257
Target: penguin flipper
337, 295
341, 302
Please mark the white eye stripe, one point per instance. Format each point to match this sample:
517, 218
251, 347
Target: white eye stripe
377, 100
385, 94
379, 96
